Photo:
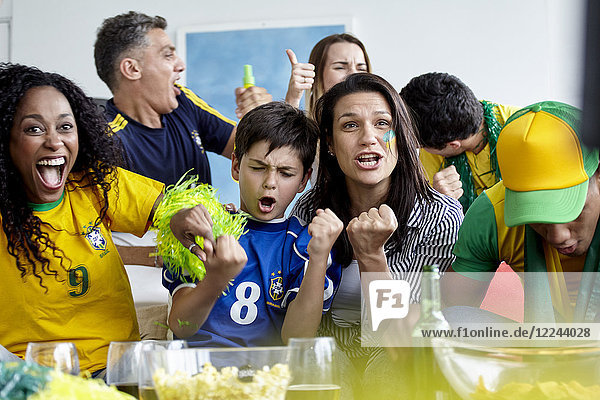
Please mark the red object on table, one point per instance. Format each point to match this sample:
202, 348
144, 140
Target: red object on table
505, 294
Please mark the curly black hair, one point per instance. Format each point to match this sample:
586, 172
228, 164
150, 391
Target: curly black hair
445, 109
99, 154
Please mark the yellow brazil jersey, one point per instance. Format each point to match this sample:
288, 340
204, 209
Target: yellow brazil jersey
483, 176
484, 241
90, 303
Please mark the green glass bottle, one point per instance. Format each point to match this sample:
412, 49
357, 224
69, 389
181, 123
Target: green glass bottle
429, 381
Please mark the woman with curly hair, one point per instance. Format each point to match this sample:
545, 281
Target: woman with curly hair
61, 193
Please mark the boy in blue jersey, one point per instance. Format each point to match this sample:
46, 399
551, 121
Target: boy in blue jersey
282, 271
165, 129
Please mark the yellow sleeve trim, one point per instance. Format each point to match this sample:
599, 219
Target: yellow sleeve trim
203, 105
118, 123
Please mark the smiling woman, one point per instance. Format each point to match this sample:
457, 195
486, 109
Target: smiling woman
60, 194
44, 143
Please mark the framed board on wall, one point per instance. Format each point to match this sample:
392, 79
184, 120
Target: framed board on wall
215, 56
4, 39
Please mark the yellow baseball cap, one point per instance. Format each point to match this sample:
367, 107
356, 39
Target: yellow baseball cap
545, 167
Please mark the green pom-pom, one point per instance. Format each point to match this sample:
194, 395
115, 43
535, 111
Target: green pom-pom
188, 194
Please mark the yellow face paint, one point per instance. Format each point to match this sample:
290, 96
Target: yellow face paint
390, 139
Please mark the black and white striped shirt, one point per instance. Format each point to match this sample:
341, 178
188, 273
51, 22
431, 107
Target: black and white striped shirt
432, 231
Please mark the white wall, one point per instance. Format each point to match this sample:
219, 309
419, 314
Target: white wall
5, 14
509, 51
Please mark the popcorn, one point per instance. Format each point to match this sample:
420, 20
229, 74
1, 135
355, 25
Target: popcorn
212, 384
539, 391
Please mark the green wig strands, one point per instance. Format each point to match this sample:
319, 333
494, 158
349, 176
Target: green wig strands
186, 194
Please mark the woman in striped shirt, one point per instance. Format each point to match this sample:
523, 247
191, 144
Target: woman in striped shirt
370, 176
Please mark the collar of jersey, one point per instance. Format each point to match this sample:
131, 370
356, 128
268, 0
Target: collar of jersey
130, 120
273, 225
46, 206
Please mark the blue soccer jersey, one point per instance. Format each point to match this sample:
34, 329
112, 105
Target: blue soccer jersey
166, 153
251, 310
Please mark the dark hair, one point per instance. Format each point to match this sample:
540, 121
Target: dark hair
445, 109
119, 37
317, 57
408, 183
279, 124
98, 154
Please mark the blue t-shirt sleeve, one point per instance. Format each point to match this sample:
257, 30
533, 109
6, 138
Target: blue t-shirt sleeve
297, 267
214, 128
172, 281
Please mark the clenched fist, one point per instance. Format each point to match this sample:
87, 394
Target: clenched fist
369, 232
324, 229
447, 181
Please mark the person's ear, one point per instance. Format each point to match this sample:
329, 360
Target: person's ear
454, 145
235, 168
305, 180
130, 69
596, 180
330, 149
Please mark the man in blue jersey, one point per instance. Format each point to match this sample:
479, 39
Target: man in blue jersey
165, 128
281, 272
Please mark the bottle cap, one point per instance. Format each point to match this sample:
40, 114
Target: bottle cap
248, 77
431, 268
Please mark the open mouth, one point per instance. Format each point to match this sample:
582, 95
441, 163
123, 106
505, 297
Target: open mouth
51, 171
567, 250
175, 88
266, 204
368, 160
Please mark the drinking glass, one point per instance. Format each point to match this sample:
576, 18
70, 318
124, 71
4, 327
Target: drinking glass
58, 355
216, 373
314, 375
123, 362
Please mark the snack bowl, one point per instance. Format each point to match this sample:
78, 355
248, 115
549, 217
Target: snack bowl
211, 373
478, 372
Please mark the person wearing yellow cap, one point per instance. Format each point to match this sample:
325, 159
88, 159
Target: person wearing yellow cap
543, 216
457, 133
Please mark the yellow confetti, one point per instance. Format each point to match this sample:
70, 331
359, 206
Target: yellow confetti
69, 387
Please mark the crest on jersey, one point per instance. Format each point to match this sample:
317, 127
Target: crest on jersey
196, 137
276, 288
95, 237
